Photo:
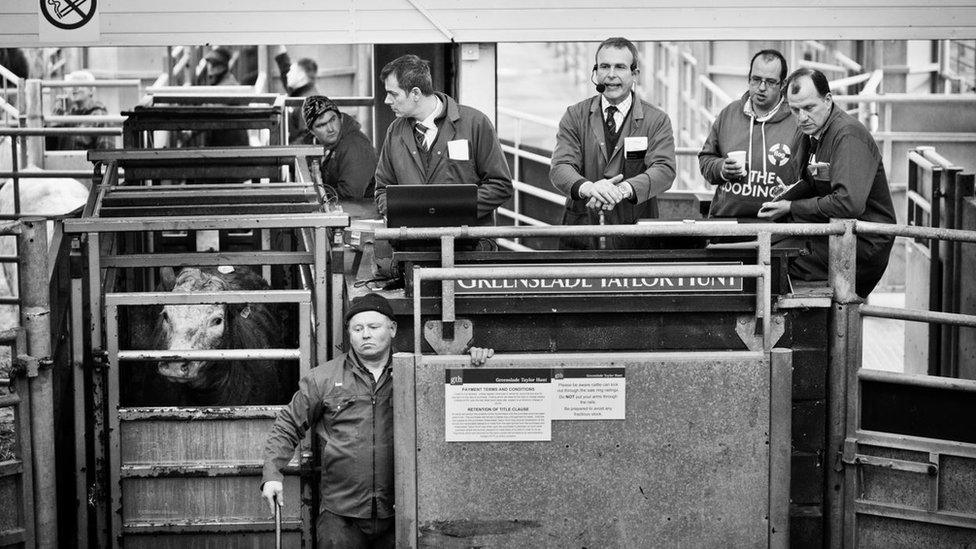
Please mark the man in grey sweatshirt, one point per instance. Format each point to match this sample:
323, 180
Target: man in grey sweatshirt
759, 124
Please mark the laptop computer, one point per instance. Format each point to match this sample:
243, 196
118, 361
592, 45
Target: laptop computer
431, 205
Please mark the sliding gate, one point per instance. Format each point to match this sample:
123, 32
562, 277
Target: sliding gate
189, 477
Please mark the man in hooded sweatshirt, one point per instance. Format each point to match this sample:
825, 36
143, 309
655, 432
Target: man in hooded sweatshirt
760, 124
350, 160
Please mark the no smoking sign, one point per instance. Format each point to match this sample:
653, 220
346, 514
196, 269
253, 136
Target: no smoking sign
68, 20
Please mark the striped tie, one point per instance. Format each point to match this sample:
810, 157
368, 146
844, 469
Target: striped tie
420, 134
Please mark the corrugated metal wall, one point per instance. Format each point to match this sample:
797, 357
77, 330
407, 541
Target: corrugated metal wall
151, 22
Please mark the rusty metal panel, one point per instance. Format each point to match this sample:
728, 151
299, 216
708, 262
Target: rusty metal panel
689, 466
190, 441
214, 499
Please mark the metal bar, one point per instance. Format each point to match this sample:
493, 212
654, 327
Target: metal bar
171, 413
915, 444
656, 229
195, 470
9, 400
321, 285
764, 285
113, 423
270, 221
957, 235
107, 83
70, 174
11, 468
195, 298
918, 380
80, 434
620, 271
895, 464
209, 259
891, 510
917, 200
906, 98
206, 527
447, 286
99, 439
336, 258
405, 444
34, 132
780, 421
913, 315
841, 274
35, 314
210, 354
286, 153
85, 119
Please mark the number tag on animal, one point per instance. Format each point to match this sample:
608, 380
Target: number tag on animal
246, 312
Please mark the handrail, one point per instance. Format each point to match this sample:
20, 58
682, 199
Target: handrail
956, 235
85, 119
914, 315
116, 83
907, 98
34, 132
549, 123
677, 228
10, 76
917, 380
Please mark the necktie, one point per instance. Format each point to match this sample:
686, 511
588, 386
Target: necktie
420, 133
610, 121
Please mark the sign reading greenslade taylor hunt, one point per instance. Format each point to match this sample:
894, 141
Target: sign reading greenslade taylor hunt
587, 285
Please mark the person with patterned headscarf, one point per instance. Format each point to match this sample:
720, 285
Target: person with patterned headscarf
350, 160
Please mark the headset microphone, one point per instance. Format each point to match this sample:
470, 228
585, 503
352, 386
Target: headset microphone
600, 88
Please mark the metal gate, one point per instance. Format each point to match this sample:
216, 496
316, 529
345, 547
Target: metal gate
189, 477
16, 482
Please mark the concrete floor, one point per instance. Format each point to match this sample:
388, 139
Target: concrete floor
884, 339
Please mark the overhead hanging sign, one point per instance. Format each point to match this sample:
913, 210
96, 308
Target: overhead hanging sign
62, 21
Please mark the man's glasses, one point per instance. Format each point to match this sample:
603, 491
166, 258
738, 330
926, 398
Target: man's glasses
757, 81
604, 68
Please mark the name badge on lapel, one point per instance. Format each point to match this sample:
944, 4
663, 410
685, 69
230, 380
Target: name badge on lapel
635, 147
458, 149
819, 170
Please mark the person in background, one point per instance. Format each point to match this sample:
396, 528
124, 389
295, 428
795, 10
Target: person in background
760, 125
298, 79
614, 151
348, 402
350, 160
81, 102
842, 176
218, 68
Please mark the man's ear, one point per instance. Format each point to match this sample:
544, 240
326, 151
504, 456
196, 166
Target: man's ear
393, 327
415, 93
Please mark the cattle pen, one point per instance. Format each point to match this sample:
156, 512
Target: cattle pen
692, 391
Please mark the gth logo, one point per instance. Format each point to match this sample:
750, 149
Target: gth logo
779, 154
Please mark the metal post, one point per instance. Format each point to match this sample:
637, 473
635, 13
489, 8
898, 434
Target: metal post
841, 274
35, 119
35, 314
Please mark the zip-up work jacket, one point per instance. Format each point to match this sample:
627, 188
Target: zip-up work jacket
352, 418
768, 143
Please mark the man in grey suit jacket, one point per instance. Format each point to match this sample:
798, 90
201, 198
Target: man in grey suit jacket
614, 151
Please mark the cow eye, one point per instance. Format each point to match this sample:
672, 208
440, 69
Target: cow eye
216, 321
164, 317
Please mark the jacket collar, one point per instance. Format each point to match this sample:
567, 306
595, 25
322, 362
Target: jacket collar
445, 133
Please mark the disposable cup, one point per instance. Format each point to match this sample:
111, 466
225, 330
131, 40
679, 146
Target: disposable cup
738, 156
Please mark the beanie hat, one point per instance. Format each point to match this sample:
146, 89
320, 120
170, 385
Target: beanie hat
369, 302
315, 106
219, 56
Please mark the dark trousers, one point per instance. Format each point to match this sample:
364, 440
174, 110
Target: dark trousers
872, 260
338, 532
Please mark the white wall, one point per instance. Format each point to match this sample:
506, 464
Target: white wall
152, 22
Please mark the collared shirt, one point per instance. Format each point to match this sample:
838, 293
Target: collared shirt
622, 109
431, 123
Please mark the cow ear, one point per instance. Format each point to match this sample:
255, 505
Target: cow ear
167, 278
246, 311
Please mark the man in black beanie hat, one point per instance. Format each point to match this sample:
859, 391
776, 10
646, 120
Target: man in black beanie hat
350, 160
348, 401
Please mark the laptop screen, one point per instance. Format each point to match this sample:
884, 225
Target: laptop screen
431, 205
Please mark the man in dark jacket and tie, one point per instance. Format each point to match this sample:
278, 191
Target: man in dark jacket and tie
436, 140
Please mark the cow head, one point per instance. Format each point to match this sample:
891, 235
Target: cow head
197, 327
